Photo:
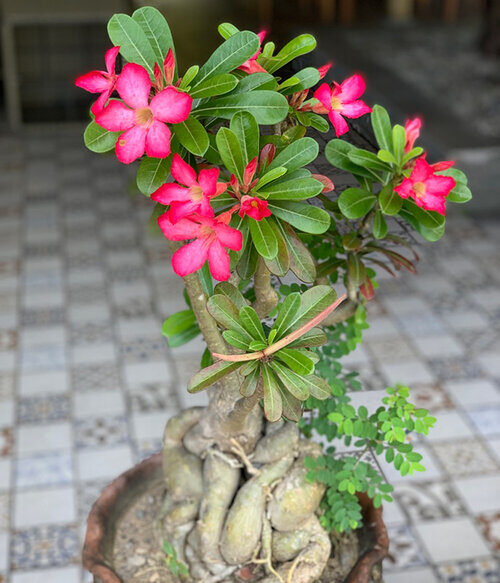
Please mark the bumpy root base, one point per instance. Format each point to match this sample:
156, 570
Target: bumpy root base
239, 515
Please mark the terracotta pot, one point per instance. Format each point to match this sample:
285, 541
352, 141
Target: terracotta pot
117, 496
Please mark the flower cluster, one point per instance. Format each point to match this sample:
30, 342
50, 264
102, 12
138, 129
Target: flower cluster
144, 111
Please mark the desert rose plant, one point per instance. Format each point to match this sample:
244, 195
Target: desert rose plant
222, 150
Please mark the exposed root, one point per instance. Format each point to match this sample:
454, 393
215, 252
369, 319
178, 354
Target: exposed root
240, 452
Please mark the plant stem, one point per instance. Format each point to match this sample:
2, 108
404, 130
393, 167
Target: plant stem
266, 298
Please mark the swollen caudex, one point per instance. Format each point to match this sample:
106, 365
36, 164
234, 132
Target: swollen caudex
236, 512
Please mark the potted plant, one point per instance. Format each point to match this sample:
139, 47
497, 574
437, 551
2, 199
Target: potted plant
254, 490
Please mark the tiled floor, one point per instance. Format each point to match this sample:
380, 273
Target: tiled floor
86, 382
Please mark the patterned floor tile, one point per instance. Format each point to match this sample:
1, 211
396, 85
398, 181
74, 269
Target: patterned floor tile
94, 432
44, 409
150, 397
490, 527
91, 332
464, 458
404, 550
4, 511
87, 377
431, 397
483, 570
143, 349
44, 546
429, 500
447, 369
486, 421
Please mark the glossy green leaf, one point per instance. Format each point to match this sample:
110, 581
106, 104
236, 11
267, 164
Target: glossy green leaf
382, 128
236, 339
314, 337
226, 29
152, 173
379, 225
292, 381
301, 261
399, 141
156, 29
368, 159
270, 176
297, 154
188, 76
230, 152
304, 79
99, 140
183, 337
286, 313
389, 200
317, 122
245, 128
302, 216
300, 189
133, 42
210, 375
280, 265
336, 153
252, 324
178, 322
229, 56
296, 360
428, 219
255, 82
268, 107
248, 262
192, 135
301, 45
248, 386
233, 293
355, 269
355, 203
218, 85
460, 193
291, 408
223, 310
272, 398
312, 302
318, 387
263, 238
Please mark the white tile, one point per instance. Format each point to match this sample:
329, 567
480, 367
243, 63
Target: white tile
5, 471
35, 299
406, 305
32, 439
4, 551
442, 345
44, 506
393, 513
131, 328
409, 372
494, 445
481, 493
473, 392
452, 540
490, 362
42, 383
146, 372
103, 464
7, 360
467, 320
6, 412
91, 403
449, 425
56, 575
150, 425
42, 336
419, 575
93, 353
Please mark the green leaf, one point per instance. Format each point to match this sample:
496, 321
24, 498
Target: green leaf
460, 193
355, 203
368, 160
268, 107
297, 154
304, 79
304, 217
399, 141
246, 129
192, 135
183, 337
210, 375
296, 360
255, 82
233, 293
263, 238
301, 45
355, 269
429, 219
272, 399
280, 265
270, 177
379, 225
229, 56
336, 153
286, 313
133, 42
230, 152
291, 407
248, 262
317, 122
248, 386
312, 302
314, 337
152, 174
301, 261
235, 339
99, 140
218, 85
389, 200
226, 29
292, 381
223, 310
297, 189
252, 324
318, 387
188, 76
178, 322
382, 128
157, 31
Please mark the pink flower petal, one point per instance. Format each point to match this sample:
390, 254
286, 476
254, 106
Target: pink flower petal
220, 188
352, 88
190, 257
101, 101
182, 172
133, 85
169, 67
439, 185
355, 109
444, 165
171, 192
432, 203
338, 122
324, 70
181, 210
205, 209
251, 66
185, 229
412, 130
110, 59
421, 171
229, 237
131, 145
218, 261
171, 105
405, 189
207, 179
158, 140
94, 82
324, 95
116, 117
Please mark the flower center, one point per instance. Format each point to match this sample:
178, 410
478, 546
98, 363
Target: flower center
144, 116
419, 189
196, 193
206, 231
336, 103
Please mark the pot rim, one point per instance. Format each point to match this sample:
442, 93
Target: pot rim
105, 507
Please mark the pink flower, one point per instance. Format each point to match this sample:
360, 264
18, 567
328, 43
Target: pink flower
193, 199
143, 121
251, 66
168, 71
248, 179
427, 189
211, 237
323, 70
412, 130
102, 82
341, 100
254, 207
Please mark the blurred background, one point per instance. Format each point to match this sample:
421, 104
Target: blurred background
86, 380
